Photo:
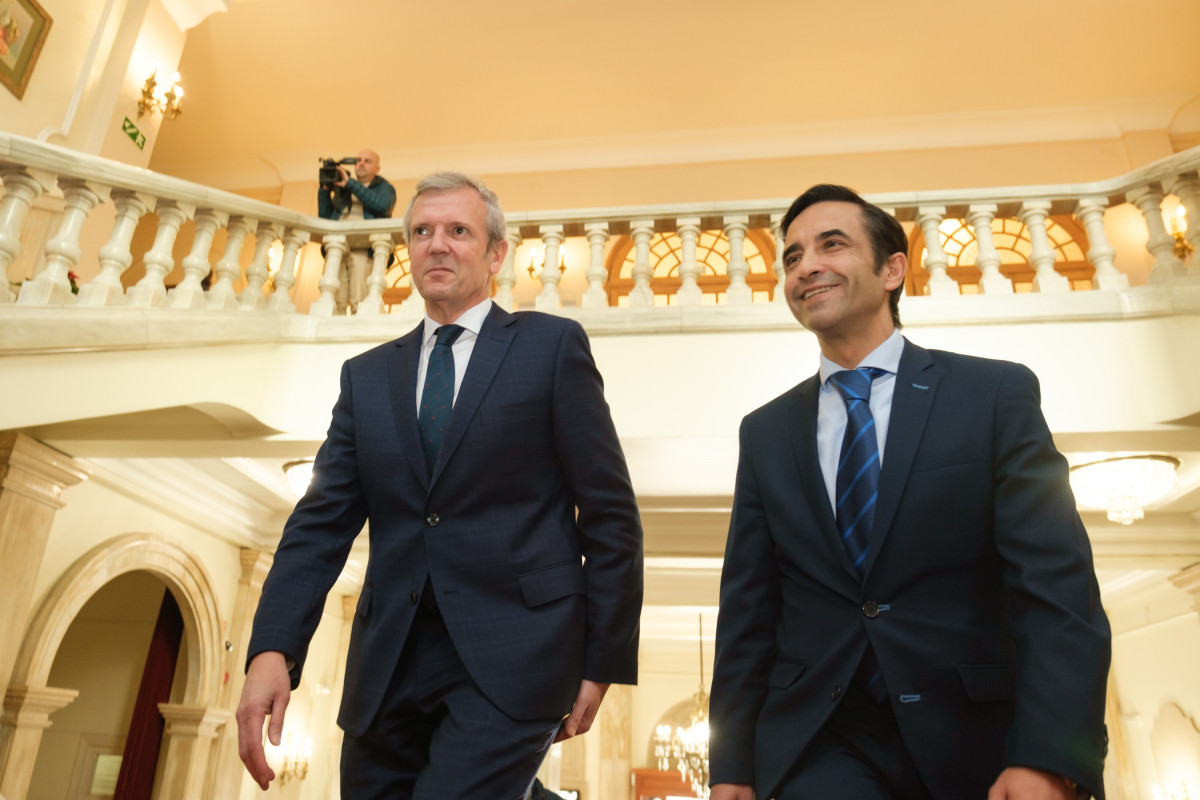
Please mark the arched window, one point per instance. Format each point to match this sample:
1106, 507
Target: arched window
712, 255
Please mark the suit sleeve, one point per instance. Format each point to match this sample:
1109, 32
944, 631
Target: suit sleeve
746, 627
609, 526
1061, 631
315, 544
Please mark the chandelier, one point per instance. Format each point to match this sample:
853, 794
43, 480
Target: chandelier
688, 747
1124, 485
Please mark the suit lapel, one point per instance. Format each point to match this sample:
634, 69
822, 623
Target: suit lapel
802, 429
912, 397
490, 348
402, 380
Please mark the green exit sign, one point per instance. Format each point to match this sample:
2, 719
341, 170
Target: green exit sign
134, 134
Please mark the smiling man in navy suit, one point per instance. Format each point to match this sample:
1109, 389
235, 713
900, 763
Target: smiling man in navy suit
503, 591
908, 603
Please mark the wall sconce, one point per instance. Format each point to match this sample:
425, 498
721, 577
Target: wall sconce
1124, 485
1183, 248
161, 99
562, 263
295, 761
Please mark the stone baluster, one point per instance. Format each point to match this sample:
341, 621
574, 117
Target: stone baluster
381, 246
597, 236
1187, 189
26, 716
992, 281
1041, 255
221, 296
548, 299
506, 278
189, 293
21, 188
1090, 213
335, 252
689, 293
150, 291
777, 267
1159, 242
52, 286
285, 278
252, 298
929, 219
642, 231
738, 292
105, 289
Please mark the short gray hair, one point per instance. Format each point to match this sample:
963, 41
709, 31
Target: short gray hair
448, 181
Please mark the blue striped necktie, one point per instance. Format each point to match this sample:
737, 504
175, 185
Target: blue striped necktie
857, 484
437, 399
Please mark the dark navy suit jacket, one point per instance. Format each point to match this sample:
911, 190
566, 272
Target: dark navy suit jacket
980, 598
527, 524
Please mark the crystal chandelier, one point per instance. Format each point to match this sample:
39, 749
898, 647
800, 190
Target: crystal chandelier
688, 747
1124, 485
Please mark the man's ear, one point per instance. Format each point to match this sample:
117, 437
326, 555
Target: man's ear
893, 270
499, 251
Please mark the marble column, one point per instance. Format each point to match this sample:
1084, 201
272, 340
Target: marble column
221, 296
739, 292
641, 295
597, 236
1090, 213
26, 715
992, 281
52, 286
189, 293
335, 252
548, 299
32, 479
381, 246
616, 734
105, 289
1187, 189
252, 298
150, 291
506, 279
21, 188
1046, 279
929, 218
281, 299
1159, 241
228, 769
780, 276
187, 748
689, 293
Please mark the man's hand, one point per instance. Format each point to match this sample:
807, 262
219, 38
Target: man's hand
587, 703
1022, 783
341, 179
266, 691
731, 791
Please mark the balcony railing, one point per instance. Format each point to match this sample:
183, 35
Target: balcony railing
1164, 276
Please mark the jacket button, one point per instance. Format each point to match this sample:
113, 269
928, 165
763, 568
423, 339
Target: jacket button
871, 609
837, 692
414, 597
432, 520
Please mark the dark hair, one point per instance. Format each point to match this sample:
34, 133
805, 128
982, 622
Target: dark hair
886, 233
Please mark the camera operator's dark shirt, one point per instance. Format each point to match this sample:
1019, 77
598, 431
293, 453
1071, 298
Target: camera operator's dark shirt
378, 199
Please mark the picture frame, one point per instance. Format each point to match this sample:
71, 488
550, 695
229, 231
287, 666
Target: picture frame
24, 25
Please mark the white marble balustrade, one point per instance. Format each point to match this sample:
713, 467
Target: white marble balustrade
220, 282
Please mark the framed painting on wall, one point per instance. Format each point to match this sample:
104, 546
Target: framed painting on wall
23, 28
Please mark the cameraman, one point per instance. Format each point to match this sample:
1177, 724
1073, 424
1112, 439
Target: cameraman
365, 196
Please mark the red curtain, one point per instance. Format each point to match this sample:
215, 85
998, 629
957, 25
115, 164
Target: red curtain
138, 764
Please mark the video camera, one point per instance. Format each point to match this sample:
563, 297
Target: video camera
328, 173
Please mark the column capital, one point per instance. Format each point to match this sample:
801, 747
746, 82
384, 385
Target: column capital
595, 227
36, 471
202, 722
31, 706
1031, 208
255, 566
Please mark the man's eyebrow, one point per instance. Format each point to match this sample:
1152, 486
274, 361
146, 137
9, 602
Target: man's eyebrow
792, 248
833, 232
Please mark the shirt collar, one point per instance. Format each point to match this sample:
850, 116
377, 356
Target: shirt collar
471, 320
885, 357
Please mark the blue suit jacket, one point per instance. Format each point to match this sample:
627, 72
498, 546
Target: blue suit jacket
527, 524
980, 599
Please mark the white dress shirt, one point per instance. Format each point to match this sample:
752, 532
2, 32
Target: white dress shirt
831, 409
472, 321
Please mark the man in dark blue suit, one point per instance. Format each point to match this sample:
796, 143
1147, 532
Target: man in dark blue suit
908, 603
504, 585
